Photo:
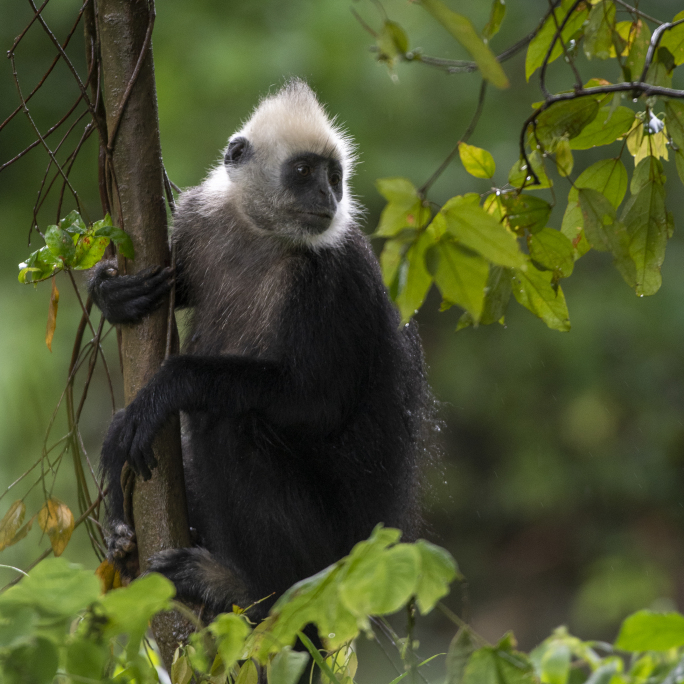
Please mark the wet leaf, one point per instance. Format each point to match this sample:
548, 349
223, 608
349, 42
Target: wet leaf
564, 159
519, 173
647, 223
540, 44
40, 265
52, 314
73, 224
675, 127
477, 162
404, 207
534, 290
598, 34
11, 522
57, 521
414, 278
461, 277
673, 40
609, 125
89, 250
649, 631
525, 212
60, 244
636, 59
475, 229
496, 16
462, 29
565, 119
552, 250
121, 239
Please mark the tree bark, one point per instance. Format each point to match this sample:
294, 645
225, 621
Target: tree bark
136, 196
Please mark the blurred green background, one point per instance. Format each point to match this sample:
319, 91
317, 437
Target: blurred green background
560, 490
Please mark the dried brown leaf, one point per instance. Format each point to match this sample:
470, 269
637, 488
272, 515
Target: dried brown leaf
57, 521
52, 314
11, 523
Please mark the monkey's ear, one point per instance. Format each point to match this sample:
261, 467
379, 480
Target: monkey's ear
238, 151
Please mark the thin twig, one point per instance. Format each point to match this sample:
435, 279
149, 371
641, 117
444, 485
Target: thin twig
464, 138
638, 12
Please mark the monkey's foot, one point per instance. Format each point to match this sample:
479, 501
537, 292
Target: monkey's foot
122, 550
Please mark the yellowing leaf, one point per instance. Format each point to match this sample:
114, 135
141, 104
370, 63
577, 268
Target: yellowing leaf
57, 521
11, 523
634, 64
673, 40
477, 162
109, 576
462, 29
564, 159
52, 314
598, 35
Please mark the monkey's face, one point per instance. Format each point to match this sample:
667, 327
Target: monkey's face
296, 199
313, 184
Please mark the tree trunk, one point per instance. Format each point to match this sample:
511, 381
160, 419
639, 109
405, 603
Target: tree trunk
136, 196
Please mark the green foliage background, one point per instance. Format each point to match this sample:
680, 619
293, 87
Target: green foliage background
561, 492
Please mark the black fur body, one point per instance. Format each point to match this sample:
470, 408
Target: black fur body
304, 402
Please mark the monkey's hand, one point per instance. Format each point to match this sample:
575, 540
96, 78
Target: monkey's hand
133, 429
128, 298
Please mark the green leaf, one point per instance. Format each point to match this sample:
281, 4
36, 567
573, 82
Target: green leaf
608, 176
519, 173
40, 265
287, 666
462, 29
230, 631
89, 251
553, 251
636, 59
383, 583
54, 588
248, 673
609, 125
646, 221
649, 631
673, 40
60, 244
525, 212
437, 571
555, 664
462, 646
34, 663
497, 296
73, 224
496, 16
475, 229
404, 207
598, 35
129, 609
540, 44
86, 659
492, 665
477, 162
534, 290
414, 278
675, 127
121, 239
392, 42
564, 160
461, 277
566, 119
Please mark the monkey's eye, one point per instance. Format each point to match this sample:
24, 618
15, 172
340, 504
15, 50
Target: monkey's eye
335, 178
303, 169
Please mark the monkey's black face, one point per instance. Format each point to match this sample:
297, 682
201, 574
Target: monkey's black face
315, 183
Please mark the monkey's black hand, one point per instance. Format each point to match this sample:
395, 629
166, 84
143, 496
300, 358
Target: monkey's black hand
132, 431
128, 298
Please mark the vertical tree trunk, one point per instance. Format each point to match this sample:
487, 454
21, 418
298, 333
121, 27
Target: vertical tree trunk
137, 200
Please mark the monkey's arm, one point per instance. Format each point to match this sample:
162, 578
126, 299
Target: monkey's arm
225, 385
129, 298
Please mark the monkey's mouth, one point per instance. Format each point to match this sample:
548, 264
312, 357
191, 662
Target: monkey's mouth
320, 214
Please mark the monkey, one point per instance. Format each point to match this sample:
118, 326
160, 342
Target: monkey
304, 400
